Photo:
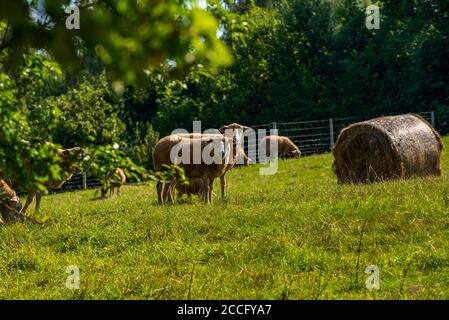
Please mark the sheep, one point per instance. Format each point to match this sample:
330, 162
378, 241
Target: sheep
286, 148
218, 170
68, 159
114, 180
9, 203
195, 186
162, 156
230, 135
236, 132
232, 131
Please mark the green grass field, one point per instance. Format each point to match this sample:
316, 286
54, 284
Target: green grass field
294, 235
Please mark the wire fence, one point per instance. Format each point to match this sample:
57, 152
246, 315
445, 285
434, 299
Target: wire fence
312, 137
78, 182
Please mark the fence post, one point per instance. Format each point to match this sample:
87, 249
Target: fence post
274, 126
432, 118
331, 132
84, 177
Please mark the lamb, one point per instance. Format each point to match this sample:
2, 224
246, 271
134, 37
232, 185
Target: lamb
68, 162
286, 148
114, 179
9, 203
195, 186
231, 135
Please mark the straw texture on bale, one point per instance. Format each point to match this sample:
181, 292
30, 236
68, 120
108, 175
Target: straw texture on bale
386, 148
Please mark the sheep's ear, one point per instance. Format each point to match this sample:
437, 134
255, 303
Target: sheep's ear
245, 128
72, 152
222, 129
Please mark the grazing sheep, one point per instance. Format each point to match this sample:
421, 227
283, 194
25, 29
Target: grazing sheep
114, 179
68, 160
286, 148
9, 203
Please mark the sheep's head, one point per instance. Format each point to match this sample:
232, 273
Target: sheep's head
295, 154
234, 130
15, 203
10, 208
71, 158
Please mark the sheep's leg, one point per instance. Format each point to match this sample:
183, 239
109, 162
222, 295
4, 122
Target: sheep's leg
118, 191
223, 187
206, 189
38, 201
165, 192
159, 191
29, 200
211, 189
171, 191
201, 191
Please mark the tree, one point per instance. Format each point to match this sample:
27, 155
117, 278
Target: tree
131, 37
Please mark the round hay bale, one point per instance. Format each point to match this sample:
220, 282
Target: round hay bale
386, 148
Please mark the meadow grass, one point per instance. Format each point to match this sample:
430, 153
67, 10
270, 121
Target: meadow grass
293, 235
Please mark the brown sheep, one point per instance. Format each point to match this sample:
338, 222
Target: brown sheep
231, 135
68, 162
286, 148
234, 134
212, 171
9, 203
162, 156
195, 187
114, 179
